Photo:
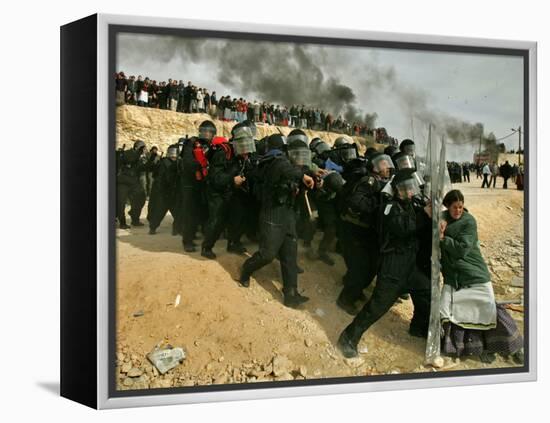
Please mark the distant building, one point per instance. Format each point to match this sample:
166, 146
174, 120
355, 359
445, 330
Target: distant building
512, 158
484, 157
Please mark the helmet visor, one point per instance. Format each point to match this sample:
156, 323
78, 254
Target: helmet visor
407, 189
244, 145
300, 157
404, 162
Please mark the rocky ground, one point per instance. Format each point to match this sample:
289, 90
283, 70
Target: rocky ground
232, 334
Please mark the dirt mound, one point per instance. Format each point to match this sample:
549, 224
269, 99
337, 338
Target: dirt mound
233, 334
164, 127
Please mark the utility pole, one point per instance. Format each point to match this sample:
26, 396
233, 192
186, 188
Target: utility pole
479, 152
519, 143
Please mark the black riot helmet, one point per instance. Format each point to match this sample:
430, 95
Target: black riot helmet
313, 143
172, 152
341, 141
298, 134
321, 148
276, 141
299, 153
261, 146
243, 140
139, 145
370, 152
344, 153
207, 130
407, 146
403, 161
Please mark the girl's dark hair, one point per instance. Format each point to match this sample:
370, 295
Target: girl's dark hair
452, 196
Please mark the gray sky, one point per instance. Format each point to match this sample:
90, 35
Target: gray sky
454, 91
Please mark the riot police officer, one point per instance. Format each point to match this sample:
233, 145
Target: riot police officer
398, 271
193, 168
131, 164
277, 182
359, 207
164, 191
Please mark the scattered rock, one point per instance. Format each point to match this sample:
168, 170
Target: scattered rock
128, 381
221, 378
308, 342
281, 365
126, 367
517, 282
302, 370
320, 312
138, 313
141, 383
284, 376
134, 372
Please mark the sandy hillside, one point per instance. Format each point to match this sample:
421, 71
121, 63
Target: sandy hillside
164, 127
233, 334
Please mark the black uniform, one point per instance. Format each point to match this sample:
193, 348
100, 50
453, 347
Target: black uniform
129, 187
222, 168
163, 194
190, 188
398, 273
277, 182
359, 206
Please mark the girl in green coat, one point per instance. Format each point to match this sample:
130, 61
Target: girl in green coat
473, 324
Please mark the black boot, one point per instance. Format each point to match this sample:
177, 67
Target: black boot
152, 231
519, 357
189, 247
244, 279
346, 305
137, 223
293, 299
236, 248
208, 253
347, 346
487, 357
124, 226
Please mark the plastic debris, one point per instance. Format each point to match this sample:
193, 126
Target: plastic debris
166, 359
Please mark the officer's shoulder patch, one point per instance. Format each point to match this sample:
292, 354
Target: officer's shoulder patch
387, 209
371, 180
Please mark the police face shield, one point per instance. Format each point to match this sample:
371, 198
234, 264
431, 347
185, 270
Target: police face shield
419, 179
243, 142
300, 157
347, 152
172, 153
405, 162
299, 137
383, 166
321, 148
207, 133
407, 189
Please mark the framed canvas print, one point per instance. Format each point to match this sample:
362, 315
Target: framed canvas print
254, 211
